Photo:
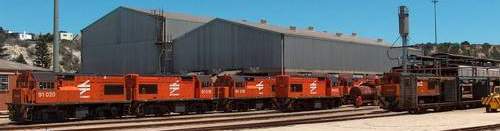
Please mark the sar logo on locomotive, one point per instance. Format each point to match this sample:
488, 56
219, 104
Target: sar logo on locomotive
84, 88
313, 87
260, 87
174, 88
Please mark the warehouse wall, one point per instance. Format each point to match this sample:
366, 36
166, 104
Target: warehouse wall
123, 42
335, 56
220, 44
176, 27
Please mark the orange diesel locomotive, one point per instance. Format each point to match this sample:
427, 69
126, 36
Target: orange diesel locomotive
246, 92
306, 93
45, 96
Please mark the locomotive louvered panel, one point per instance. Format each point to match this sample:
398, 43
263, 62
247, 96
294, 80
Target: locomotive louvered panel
450, 90
16, 96
408, 91
480, 89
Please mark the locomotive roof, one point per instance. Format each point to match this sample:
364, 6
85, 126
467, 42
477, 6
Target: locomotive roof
44, 76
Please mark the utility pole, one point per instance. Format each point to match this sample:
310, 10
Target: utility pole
55, 49
404, 30
435, 21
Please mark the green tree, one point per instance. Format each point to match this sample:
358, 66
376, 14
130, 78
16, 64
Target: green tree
20, 59
42, 56
465, 43
443, 47
466, 48
455, 49
46, 38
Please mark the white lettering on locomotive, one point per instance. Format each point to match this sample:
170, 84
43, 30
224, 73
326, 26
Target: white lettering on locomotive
174, 88
240, 91
260, 87
313, 87
206, 91
84, 88
46, 94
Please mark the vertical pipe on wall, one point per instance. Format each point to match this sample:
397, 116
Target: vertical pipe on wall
282, 54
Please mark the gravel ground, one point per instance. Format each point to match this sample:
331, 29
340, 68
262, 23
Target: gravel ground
420, 122
4, 120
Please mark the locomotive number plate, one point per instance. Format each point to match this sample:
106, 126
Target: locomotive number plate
46, 94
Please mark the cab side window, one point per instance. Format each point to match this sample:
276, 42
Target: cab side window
239, 84
46, 85
296, 88
148, 89
113, 89
205, 84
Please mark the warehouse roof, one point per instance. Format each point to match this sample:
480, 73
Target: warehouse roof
177, 16
168, 15
9, 65
311, 33
266, 26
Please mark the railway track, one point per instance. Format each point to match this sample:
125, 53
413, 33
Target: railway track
281, 122
14, 126
479, 128
210, 123
4, 114
124, 122
177, 120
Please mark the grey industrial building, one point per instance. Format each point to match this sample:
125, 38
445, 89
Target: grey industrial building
126, 41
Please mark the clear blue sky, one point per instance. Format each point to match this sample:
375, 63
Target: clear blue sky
477, 21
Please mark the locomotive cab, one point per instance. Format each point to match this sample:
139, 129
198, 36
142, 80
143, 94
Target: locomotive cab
48, 97
36, 88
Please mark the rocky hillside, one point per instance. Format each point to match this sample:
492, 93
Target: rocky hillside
70, 51
484, 50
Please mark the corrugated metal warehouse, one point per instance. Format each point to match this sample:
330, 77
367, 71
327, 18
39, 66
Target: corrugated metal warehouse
124, 42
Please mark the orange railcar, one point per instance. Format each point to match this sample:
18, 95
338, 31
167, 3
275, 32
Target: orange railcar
247, 92
45, 96
158, 95
299, 93
161, 88
418, 92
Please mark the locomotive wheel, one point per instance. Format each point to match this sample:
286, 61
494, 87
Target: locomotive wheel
139, 111
416, 111
489, 110
358, 101
228, 107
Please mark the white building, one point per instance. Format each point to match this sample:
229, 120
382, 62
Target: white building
25, 36
66, 35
